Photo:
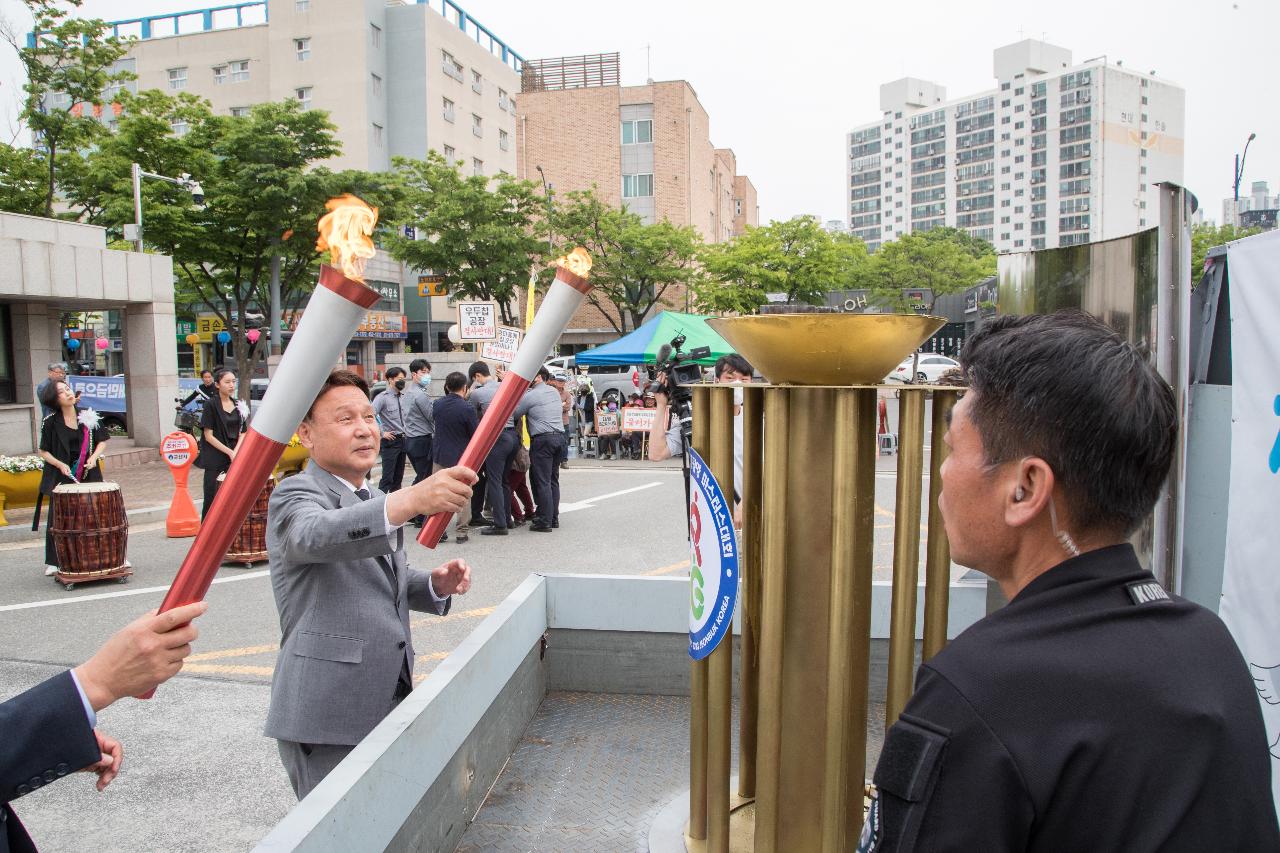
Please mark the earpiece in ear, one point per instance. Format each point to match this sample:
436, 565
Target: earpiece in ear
1018, 494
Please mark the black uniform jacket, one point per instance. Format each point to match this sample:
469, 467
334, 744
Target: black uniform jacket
44, 735
1093, 712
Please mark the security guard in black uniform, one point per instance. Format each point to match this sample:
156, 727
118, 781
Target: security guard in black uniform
1095, 712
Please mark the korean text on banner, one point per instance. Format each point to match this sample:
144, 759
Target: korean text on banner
1250, 584
504, 348
478, 321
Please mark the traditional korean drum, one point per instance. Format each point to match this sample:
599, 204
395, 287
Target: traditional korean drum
90, 531
250, 544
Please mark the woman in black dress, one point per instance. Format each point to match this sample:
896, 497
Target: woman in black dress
221, 423
71, 443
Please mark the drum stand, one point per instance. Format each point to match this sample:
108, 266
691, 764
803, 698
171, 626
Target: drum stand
120, 574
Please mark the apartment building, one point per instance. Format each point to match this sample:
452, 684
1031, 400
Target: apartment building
398, 78
1258, 209
646, 148
1055, 155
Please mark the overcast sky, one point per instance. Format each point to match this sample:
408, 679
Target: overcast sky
783, 82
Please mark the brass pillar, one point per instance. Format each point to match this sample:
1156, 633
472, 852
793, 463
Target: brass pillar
906, 551
849, 615
773, 600
698, 677
937, 567
720, 661
749, 565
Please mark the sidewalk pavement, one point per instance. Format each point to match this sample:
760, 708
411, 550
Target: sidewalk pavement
148, 491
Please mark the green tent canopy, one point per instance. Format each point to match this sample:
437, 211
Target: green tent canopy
642, 345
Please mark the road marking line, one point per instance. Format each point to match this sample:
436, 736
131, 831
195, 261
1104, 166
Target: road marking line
588, 503
76, 599
465, 614
434, 656
228, 669
234, 653
683, 564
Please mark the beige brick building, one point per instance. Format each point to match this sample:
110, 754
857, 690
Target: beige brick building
647, 148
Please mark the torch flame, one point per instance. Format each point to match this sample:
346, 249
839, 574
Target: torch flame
345, 233
577, 262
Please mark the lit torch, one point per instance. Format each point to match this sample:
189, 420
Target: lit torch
332, 316
563, 298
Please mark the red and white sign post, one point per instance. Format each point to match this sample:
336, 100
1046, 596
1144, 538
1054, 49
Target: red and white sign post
178, 449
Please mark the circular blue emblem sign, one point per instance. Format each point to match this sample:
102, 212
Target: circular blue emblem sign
713, 561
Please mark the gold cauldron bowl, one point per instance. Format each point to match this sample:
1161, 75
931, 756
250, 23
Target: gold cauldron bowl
826, 349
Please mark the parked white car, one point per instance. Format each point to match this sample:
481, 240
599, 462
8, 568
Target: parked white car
929, 368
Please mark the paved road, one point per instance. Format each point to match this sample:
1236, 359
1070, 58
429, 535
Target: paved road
198, 773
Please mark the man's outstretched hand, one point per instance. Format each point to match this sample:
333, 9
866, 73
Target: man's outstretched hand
109, 764
454, 577
141, 655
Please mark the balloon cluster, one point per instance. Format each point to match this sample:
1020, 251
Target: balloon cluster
72, 344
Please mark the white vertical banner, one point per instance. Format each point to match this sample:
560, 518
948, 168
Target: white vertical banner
1251, 576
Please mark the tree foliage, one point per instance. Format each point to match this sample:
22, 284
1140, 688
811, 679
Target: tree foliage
634, 265
264, 194
481, 240
68, 69
942, 264
25, 177
797, 258
1205, 236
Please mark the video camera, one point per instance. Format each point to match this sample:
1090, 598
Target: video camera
679, 371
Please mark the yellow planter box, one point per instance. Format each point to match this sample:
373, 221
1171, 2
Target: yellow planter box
18, 490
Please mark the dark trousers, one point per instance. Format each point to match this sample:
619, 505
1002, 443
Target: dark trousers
564, 453
496, 467
479, 492
50, 551
418, 448
518, 495
393, 458
544, 459
211, 485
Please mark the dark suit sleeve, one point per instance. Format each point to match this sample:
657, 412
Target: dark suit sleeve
44, 735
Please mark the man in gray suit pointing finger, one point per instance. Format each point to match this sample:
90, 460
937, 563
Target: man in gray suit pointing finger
343, 587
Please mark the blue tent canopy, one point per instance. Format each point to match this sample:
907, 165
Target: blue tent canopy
642, 345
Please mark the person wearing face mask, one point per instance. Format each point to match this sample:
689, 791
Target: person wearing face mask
390, 407
419, 422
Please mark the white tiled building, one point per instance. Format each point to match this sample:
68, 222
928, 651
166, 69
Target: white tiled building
1057, 154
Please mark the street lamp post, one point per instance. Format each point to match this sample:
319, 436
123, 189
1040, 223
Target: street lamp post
183, 180
546, 190
1240, 174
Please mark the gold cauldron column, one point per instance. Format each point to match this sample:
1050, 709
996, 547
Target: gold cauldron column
906, 552
937, 569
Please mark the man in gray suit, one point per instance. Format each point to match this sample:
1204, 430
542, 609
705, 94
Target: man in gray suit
343, 587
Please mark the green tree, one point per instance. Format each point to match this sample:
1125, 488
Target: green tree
975, 246
918, 262
22, 189
634, 265
481, 239
1205, 236
797, 258
68, 69
264, 194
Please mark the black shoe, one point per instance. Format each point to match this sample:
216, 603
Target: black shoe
494, 531
540, 528
419, 522
460, 538
555, 524
518, 522
444, 537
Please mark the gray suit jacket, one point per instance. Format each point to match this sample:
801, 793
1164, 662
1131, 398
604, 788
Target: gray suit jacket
344, 627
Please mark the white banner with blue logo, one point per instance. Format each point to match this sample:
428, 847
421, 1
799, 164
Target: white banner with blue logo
1251, 577
713, 561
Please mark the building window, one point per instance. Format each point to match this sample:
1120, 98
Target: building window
448, 110
504, 140
303, 94
477, 125
451, 66
302, 47
302, 5
219, 75
179, 127
637, 186
377, 136
375, 35
477, 166
450, 154
637, 132
377, 85
240, 112
240, 71
177, 78
477, 82
504, 102
8, 375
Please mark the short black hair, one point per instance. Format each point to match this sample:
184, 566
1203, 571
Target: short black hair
337, 378
221, 372
454, 382
733, 362
1068, 389
477, 368
393, 372
544, 374
49, 394
208, 371
419, 364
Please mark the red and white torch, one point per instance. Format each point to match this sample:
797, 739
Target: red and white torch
333, 313
567, 291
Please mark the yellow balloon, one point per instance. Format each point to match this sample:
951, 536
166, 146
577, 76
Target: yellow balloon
193, 339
